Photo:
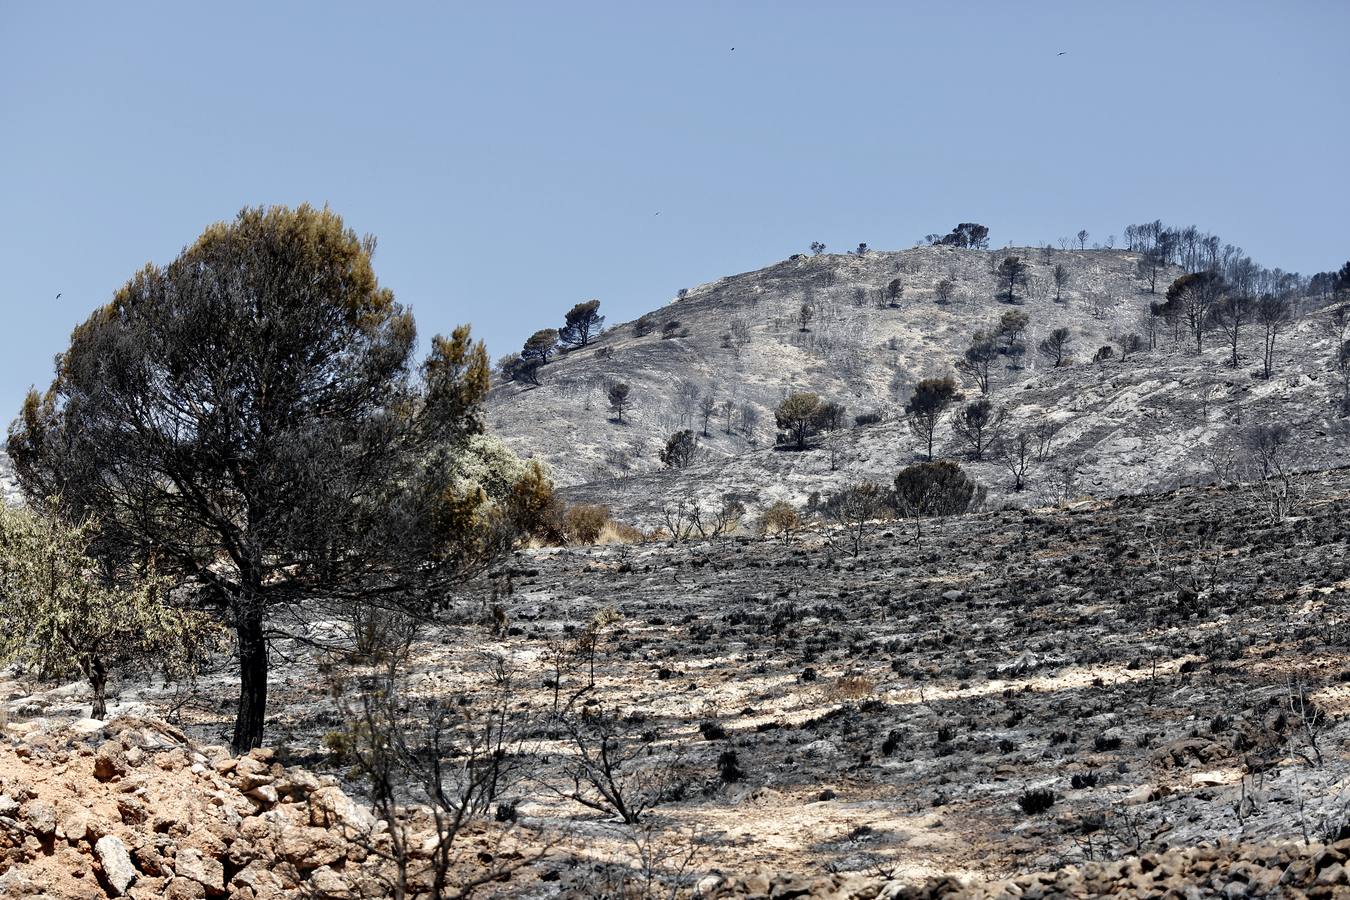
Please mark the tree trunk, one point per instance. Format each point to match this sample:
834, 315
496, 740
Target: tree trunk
98, 680
248, 721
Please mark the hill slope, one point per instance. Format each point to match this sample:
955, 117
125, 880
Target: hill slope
1155, 421
858, 349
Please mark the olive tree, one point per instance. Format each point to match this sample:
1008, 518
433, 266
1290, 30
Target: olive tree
59, 613
250, 417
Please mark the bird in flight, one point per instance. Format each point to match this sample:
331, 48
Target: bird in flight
1061, 53
658, 212
733, 49
58, 296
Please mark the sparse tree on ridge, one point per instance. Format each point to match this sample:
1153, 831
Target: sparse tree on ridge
805, 313
1272, 314
1012, 273
1231, 313
931, 399
618, 399
540, 345
967, 235
817, 248
1056, 346
707, 407
1062, 276
1191, 299
581, 324
1082, 239
978, 359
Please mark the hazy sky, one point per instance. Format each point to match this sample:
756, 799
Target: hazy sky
511, 158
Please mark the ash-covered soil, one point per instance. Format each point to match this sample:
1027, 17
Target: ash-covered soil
1009, 692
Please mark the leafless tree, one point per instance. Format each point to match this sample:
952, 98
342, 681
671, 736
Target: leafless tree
611, 769
1272, 314
749, 421
978, 425
707, 407
805, 313
1015, 453
1150, 326
1273, 452
1062, 277
944, 289
1056, 346
1341, 362
1230, 314
855, 508
452, 758
1045, 432
740, 333
1082, 239
1128, 342
976, 363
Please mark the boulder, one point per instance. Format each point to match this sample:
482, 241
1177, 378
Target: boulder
118, 871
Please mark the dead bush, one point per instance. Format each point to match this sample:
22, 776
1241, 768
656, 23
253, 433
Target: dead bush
583, 522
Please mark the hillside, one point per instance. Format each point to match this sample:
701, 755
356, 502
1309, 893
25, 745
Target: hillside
859, 350
1152, 422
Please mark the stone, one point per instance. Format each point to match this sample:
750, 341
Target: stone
250, 773
205, 870
184, 889
265, 795
40, 816
110, 761
116, 862
327, 883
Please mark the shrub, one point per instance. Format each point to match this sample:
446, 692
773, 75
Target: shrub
583, 523
58, 617
780, 519
1036, 801
869, 418
939, 488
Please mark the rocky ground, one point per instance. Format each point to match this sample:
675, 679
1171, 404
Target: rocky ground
1098, 685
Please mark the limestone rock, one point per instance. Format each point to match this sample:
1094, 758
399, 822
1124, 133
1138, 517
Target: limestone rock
116, 862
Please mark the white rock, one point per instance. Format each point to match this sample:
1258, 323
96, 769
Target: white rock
116, 862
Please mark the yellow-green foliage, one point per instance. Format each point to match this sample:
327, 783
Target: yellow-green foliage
58, 615
781, 519
533, 507
583, 523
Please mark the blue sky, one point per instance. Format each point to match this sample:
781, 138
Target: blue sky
512, 157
